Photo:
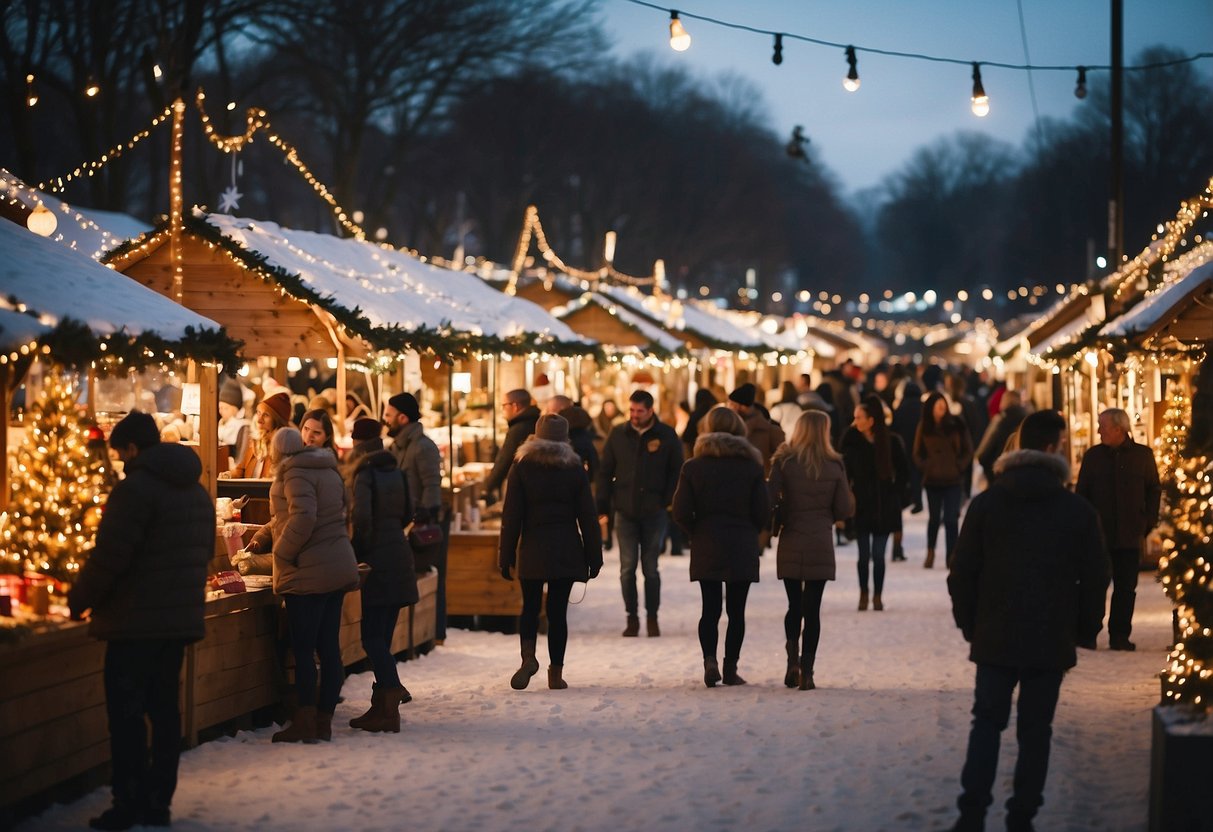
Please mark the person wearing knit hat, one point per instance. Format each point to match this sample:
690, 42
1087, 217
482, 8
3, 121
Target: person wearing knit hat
365, 429
549, 535
406, 403
233, 426
272, 414
764, 434
744, 395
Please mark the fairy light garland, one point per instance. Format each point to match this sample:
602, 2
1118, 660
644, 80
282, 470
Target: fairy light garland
59, 183
1173, 235
19, 195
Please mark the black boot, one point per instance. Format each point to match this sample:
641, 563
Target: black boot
530, 666
633, 627
115, 817
792, 678
806, 673
711, 672
730, 676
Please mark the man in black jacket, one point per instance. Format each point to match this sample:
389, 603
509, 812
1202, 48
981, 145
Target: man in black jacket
521, 416
145, 583
641, 460
1027, 584
1120, 478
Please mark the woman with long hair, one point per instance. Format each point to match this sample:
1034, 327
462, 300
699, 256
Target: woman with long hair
721, 501
878, 471
810, 491
704, 401
273, 413
316, 428
943, 451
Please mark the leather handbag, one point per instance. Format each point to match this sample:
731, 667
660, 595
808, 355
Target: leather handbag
423, 535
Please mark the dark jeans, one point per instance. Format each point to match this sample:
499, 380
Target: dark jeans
557, 610
141, 678
804, 605
1038, 690
709, 620
378, 626
943, 504
871, 548
315, 622
640, 541
1125, 565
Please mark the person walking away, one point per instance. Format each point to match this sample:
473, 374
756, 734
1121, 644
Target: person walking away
722, 503
1119, 477
379, 510
810, 493
943, 452
763, 434
788, 410
521, 415
144, 590
418, 457
640, 463
907, 413
1027, 584
313, 568
1002, 427
973, 412
549, 535
878, 469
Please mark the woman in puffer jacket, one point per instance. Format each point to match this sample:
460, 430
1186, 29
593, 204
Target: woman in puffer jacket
313, 567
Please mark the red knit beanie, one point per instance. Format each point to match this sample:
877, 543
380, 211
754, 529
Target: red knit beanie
280, 405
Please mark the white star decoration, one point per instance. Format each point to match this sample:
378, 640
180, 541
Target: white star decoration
229, 200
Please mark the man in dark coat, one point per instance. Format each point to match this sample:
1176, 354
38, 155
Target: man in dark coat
1027, 584
640, 463
521, 416
1120, 478
581, 431
1000, 429
145, 584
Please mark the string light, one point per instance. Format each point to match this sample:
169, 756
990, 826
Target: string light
980, 102
1080, 89
59, 183
42, 221
31, 95
680, 41
851, 82
92, 89
777, 55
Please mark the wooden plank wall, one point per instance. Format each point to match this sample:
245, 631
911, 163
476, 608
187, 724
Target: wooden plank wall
473, 581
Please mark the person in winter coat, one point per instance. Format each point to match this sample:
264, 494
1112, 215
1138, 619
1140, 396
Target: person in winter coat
314, 567
234, 428
521, 416
763, 434
272, 414
788, 411
640, 464
380, 509
1002, 427
722, 503
810, 491
608, 416
704, 401
581, 431
1119, 477
878, 469
943, 452
907, 413
549, 535
1027, 585
145, 584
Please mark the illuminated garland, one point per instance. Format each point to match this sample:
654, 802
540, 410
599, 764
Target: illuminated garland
58, 183
1149, 263
532, 228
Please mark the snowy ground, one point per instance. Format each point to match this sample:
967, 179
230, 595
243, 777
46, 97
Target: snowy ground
637, 741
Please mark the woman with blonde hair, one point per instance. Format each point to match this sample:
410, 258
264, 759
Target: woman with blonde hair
810, 493
272, 414
721, 502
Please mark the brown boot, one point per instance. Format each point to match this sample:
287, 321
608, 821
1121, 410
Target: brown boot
651, 628
929, 563
806, 680
387, 718
633, 628
530, 666
555, 678
877, 604
792, 678
376, 697
863, 600
711, 672
302, 727
730, 677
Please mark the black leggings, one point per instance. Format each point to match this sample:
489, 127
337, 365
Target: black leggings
557, 610
804, 604
709, 621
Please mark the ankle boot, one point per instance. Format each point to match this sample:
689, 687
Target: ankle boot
376, 696
711, 672
556, 677
899, 553
633, 628
651, 628
302, 727
929, 563
792, 678
863, 600
730, 677
806, 673
324, 726
387, 716
877, 604
530, 666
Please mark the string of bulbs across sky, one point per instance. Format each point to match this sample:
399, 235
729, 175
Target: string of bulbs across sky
979, 101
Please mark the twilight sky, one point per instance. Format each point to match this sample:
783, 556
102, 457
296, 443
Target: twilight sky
904, 104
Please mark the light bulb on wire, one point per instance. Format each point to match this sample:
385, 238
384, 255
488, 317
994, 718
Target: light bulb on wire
31, 94
680, 41
92, 88
851, 82
980, 101
1080, 89
777, 55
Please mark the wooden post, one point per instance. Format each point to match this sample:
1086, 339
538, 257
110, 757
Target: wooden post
208, 423
176, 202
342, 411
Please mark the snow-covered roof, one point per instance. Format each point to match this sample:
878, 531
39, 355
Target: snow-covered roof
777, 333
388, 287
85, 230
657, 336
678, 316
44, 277
1065, 334
1153, 307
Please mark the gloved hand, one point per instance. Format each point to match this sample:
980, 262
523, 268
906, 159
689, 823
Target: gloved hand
505, 573
594, 570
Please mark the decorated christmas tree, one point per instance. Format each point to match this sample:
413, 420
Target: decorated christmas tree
1187, 561
58, 486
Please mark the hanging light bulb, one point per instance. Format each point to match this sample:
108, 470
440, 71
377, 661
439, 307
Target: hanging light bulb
31, 94
42, 221
92, 88
1080, 89
156, 71
777, 55
981, 101
680, 41
851, 82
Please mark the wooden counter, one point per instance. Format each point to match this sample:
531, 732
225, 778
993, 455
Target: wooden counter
474, 585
